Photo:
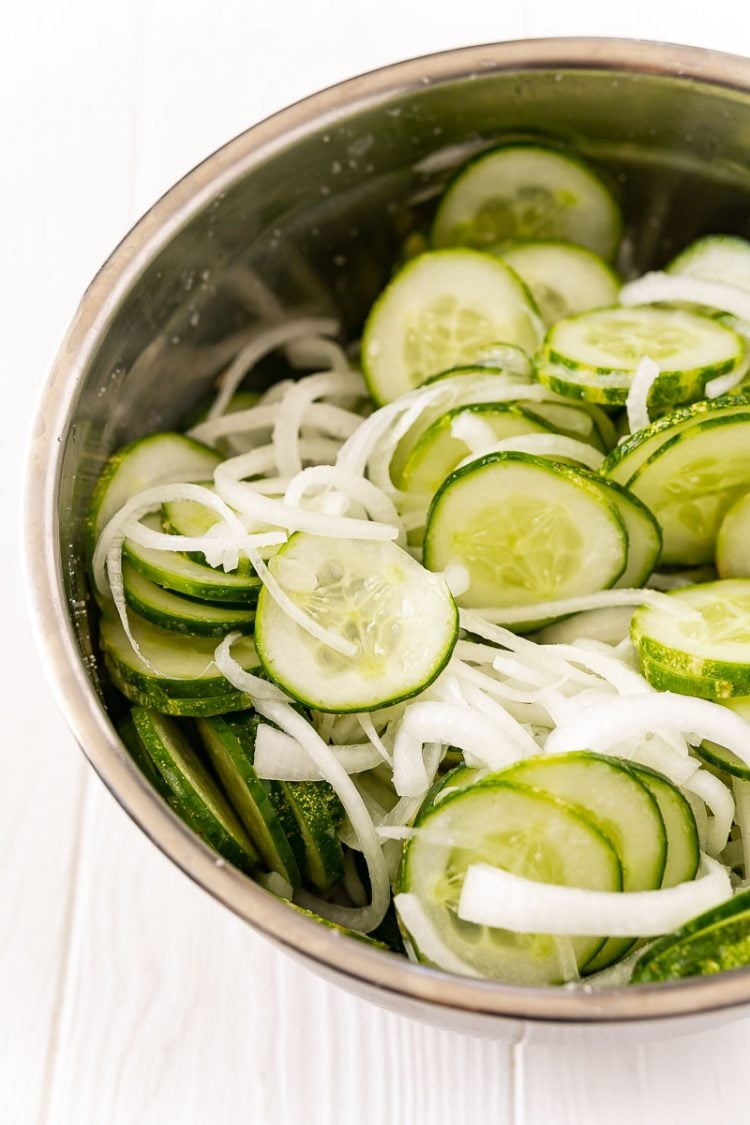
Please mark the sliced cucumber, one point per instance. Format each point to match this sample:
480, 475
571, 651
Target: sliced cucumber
528, 191
158, 459
401, 619
196, 797
522, 830
715, 257
368, 939
322, 861
188, 517
526, 530
594, 355
713, 646
583, 421
440, 448
623, 808
439, 311
178, 669
156, 699
628, 456
495, 359
564, 279
664, 678
691, 481
733, 540
718, 756
711, 943
230, 744
683, 846
132, 741
180, 614
184, 575
643, 531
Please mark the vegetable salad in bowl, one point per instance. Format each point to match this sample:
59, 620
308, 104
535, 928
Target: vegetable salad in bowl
445, 636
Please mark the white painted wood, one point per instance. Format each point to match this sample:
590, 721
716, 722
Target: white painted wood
126, 995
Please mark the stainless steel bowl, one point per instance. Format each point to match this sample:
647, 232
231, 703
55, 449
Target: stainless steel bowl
305, 212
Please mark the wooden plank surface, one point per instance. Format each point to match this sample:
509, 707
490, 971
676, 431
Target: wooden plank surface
127, 996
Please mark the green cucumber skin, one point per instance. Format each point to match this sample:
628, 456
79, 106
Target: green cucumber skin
323, 862
187, 804
655, 782
237, 734
241, 594
722, 760
131, 739
149, 694
110, 469
670, 956
726, 678
617, 464
180, 614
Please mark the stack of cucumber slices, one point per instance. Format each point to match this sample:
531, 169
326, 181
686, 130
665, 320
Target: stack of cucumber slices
445, 638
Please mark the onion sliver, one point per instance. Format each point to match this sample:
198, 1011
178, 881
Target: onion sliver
378, 505
363, 918
491, 896
278, 757
636, 404
541, 445
243, 496
603, 725
657, 286
719, 802
510, 615
264, 341
295, 406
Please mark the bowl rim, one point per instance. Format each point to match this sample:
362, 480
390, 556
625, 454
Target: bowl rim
350, 962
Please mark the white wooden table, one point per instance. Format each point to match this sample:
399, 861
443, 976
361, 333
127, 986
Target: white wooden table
127, 996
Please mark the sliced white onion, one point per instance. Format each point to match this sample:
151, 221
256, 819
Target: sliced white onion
377, 504
602, 726
614, 671
491, 896
319, 353
636, 404
368, 729
521, 742
431, 946
267, 340
541, 445
217, 540
657, 286
741, 789
720, 802
722, 384
364, 918
513, 615
254, 686
610, 625
278, 757
295, 407
242, 495
472, 430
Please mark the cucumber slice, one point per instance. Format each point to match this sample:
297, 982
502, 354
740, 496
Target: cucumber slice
594, 355
322, 859
184, 575
711, 943
683, 846
718, 756
564, 279
196, 797
180, 614
525, 831
132, 742
527, 530
733, 540
627, 457
178, 669
439, 450
624, 810
230, 744
715, 646
440, 311
156, 699
158, 459
664, 678
583, 421
528, 191
187, 517
691, 481
644, 533
715, 257
402, 620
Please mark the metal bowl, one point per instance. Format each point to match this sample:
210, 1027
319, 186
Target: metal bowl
305, 212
